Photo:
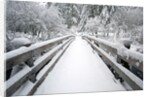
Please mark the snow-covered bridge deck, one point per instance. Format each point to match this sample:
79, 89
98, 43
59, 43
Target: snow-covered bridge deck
70, 65
80, 69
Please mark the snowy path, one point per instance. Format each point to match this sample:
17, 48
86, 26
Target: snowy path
79, 70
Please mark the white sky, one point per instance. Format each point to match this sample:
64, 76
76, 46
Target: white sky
104, 2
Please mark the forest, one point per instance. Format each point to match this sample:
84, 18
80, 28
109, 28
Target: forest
40, 21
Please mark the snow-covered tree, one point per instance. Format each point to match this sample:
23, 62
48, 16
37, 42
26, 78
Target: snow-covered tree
33, 18
128, 19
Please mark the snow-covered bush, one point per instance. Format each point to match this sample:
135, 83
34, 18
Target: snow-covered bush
17, 43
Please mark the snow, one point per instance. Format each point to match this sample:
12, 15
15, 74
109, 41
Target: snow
22, 50
40, 44
20, 41
138, 48
24, 89
119, 67
15, 52
17, 43
27, 86
17, 68
80, 69
37, 64
107, 43
135, 79
50, 54
18, 76
130, 53
122, 51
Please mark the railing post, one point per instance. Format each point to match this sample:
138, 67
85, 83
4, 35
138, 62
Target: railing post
32, 77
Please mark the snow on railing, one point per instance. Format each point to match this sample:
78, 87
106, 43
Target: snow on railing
135, 82
30, 73
32, 87
133, 58
23, 54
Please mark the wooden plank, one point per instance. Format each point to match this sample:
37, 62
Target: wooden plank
12, 86
135, 82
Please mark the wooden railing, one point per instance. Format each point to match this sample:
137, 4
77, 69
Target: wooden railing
54, 49
35, 72
27, 53
110, 52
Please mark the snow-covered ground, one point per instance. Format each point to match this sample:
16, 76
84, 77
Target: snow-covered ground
80, 69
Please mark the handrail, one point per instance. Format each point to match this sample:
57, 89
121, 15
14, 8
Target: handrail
134, 59
134, 82
44, 72
25, 53
27, 73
